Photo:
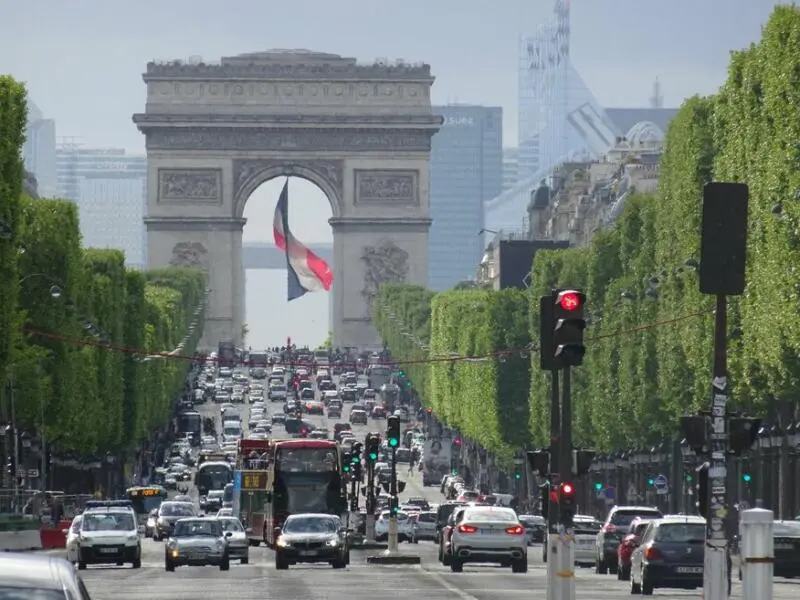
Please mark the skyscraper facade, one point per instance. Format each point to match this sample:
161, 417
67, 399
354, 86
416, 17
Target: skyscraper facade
109, 187
39, 150
466, 169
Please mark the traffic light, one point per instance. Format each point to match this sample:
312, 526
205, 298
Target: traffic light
747, 478
355, 453
581, 462
598, 486
457, 442
11, 467
356, 470
568, 325
651, 481
702, 489
566, 503
394, 505
743, 433
544, 499
393, 431
517, 475
539, 462
347, 459
373, 446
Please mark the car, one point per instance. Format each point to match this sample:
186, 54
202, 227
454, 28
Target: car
39, 576
238, 544
490, 534
168, 514
312, 538
73, 537
535, 528
405, 527
109, 536
424, 524
627, 545
197, 541
617, 522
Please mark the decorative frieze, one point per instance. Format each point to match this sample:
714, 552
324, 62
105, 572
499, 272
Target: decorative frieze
189, 186
387, 187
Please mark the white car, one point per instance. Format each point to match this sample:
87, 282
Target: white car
238, 544
405, 527
586, 529
489, 534
72, 539
109, 536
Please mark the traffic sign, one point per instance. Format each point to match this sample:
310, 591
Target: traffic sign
33, 473
660, 482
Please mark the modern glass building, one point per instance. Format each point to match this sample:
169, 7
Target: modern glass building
108, 185
466, 170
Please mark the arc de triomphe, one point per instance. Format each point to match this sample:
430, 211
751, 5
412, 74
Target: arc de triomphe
362, 133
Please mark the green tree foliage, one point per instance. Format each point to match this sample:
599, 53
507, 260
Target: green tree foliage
401, 313
13, 117
480, 366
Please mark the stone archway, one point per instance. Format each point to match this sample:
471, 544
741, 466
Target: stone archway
362, 133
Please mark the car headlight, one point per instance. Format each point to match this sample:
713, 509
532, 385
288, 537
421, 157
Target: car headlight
85, 540
133, 537
175, 552
220, 546
333, 542
283, 543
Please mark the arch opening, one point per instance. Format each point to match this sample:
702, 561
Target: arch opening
269, 318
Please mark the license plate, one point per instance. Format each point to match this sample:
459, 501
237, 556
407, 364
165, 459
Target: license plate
692, 570
307, 553
784, 546
108, 550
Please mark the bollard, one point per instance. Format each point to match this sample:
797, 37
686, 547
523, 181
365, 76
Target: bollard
757, 555
392, 535
565, 570
370, 528
553, 582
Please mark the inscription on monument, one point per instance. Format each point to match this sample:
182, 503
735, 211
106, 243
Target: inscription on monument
189, 186
392, 186
243, 139
383, 263
189, 254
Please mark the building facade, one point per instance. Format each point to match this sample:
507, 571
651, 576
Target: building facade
39, 151
466, 170
108, 185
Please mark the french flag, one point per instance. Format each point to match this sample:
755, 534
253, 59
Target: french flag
306, 271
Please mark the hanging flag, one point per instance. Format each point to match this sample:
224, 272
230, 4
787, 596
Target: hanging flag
306, 272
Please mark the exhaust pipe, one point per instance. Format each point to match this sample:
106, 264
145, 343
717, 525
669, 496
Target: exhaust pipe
463, 553
516, 554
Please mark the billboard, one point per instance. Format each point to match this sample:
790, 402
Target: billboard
437, 457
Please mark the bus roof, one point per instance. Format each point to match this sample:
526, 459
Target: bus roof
215, 463
306, 443
146, 487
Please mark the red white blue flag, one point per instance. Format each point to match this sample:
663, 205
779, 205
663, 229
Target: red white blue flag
306, 271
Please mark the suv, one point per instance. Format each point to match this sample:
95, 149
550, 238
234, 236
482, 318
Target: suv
616, 525
109, 536
443, 513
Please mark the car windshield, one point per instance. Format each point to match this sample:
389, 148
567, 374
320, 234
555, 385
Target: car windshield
231, 525
28, 593
496, 516
681, 533
176, 510
108, 522
623, 518
311, 525
426, 517
191, 528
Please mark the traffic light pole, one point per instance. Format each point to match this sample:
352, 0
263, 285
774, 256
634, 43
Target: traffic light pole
370, 521
565, 552
715, 568
392, 515
553, 581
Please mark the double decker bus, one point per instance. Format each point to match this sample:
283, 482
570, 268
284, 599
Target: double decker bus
145, 499
213, 475
250, 484
306, 477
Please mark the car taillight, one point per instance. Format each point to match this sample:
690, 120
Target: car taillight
467, 529
516, 530
652, 553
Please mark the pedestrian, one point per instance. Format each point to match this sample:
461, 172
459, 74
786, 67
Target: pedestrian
410, 467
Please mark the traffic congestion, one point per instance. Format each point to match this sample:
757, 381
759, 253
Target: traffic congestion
269, 470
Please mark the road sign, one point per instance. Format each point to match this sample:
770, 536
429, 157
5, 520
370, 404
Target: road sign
660, 482
633, 495
33, 473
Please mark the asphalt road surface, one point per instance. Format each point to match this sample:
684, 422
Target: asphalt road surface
431, 581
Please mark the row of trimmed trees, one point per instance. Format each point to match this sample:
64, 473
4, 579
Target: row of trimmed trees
76, 325
649, 344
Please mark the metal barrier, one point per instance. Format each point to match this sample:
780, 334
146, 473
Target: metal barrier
12, 501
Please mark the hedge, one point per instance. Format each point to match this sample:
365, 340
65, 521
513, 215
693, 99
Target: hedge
73, 353
649, 344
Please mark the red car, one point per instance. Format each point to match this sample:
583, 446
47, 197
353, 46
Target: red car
629, 543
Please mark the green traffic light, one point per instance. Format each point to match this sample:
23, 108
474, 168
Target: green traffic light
746, 478
598, 486
394, 442
345, 468
650, 481
689, 478
356, 460
517, 475
373, 456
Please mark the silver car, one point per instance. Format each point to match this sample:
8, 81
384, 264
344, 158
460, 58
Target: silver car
197, 541
424, 524
238, 544
39, 576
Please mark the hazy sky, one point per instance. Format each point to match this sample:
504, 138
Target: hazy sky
83, 59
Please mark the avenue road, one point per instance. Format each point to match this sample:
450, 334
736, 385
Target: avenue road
431, 581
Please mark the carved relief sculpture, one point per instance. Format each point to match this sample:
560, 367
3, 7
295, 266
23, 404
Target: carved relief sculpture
189, 185
189, 254
389, 186
384, 263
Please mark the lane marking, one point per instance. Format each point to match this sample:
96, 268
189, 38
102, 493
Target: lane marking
449, 586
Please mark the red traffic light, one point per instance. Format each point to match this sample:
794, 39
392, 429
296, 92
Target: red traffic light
429, 411
570, 301
457, 441
554, 496
567, 489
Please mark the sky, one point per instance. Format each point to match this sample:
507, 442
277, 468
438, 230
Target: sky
83, 59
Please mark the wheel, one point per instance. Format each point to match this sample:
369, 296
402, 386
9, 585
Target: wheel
447, 559
520, 565
636, 589
347, 558
168, 566
612, 567
623, 572
81, 565
456, 566
600, 567
245, 560
280, 563
544, 554
137, 562
225, 565
338, 563
647, 585
440, 554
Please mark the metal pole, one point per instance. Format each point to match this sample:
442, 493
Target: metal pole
370, 524
566, 544
392, 517
553, 581
43, 474
715, 571
15, 441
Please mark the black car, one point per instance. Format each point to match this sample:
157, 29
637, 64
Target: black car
443, 513
312, 538
168, 514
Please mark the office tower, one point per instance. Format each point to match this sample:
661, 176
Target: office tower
39, 150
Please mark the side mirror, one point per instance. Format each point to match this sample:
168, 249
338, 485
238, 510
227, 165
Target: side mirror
228, 534
277, 531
